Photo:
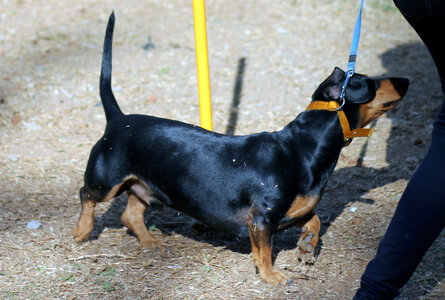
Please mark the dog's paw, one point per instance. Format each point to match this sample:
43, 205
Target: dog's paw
80, 233
308, 241
152, 244
275, 277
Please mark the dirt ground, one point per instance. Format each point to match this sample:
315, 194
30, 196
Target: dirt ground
278, 52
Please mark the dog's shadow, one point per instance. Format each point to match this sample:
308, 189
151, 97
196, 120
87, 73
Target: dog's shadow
406, 145
168, 221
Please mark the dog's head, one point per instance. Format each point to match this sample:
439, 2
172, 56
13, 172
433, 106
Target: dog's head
366, 98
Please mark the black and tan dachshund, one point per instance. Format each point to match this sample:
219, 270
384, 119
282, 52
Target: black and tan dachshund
253, 185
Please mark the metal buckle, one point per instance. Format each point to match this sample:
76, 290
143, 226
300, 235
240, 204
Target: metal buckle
349, 74
342, 104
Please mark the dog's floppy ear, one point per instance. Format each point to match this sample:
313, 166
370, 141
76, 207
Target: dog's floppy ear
330, 88
361, 89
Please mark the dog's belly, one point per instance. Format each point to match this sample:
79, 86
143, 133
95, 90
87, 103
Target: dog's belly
229, 227
219, 215
233, 223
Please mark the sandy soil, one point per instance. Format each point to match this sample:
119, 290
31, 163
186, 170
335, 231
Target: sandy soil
50, 116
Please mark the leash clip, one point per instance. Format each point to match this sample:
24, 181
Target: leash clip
341, 106
349, 74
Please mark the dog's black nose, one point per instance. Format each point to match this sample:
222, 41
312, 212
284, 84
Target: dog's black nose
401, 85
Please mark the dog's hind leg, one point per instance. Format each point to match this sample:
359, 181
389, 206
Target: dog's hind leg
133, 219
88, 199
86, 220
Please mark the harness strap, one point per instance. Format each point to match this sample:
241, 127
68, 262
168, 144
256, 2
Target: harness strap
348, 134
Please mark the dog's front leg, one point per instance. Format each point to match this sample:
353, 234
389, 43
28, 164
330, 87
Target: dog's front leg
261, 239
309, 236
310, 226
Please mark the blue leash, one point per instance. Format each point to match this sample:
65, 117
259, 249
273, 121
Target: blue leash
352, 55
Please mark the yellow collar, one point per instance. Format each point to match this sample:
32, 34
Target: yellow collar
348, 134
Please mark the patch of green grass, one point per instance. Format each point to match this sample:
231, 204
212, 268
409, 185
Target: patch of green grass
69, 278
108, 271
8, 295
34, 285
105, 280
109, 286
384, 5
206, 268
164, 70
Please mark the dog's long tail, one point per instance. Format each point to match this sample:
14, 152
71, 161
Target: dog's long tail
109, 103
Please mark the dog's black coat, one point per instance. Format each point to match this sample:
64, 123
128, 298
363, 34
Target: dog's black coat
211, 176
227, 182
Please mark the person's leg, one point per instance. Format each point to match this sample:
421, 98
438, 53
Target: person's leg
420, 215
418, 220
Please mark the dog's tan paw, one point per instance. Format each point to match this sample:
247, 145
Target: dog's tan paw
308, 241
152, 244
81, 233
275, 277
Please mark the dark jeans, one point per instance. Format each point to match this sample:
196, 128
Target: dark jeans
420, 214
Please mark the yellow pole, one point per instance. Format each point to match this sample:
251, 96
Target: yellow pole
202, 64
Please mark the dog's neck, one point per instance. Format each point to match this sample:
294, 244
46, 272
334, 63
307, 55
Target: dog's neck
316, 128
315, 136
348, 133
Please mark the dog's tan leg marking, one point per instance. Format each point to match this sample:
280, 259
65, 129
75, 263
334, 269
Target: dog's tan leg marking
260, 239
262, 256
301, 206
86, 221
310, 234
133, 219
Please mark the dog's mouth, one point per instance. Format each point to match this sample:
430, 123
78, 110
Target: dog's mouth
369, 112
392, 104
